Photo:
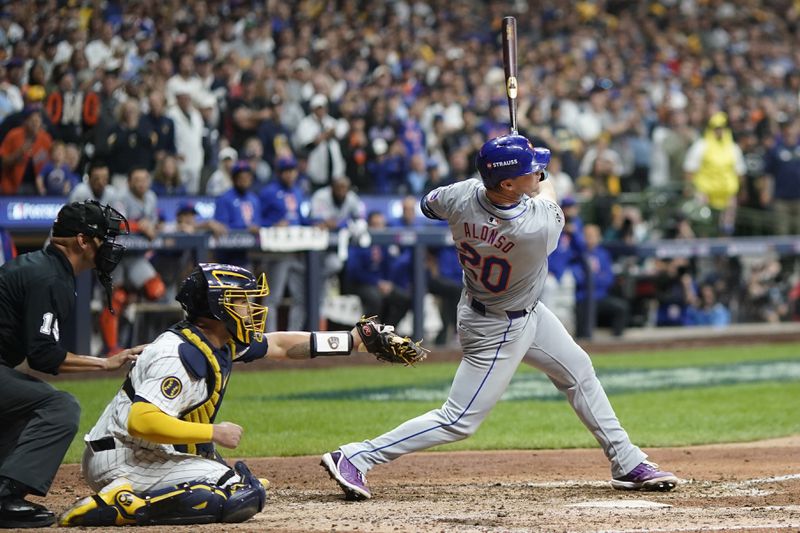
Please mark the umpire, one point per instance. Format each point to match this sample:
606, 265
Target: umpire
37, 295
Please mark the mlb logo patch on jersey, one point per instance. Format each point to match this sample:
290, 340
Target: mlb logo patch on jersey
493, 221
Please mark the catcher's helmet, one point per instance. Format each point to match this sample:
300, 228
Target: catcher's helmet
227, 293
509, 156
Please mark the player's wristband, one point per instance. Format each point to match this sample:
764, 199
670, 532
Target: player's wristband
331, 343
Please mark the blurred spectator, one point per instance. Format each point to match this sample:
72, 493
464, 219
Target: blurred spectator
434, 177
183, 81
238, 209
766, 296
337, 207
207, 105
674, 290
753, 215
186, 222
715, 166
56, 177
594, 117
248, 110
603, 165
167, 178
135, 276
389, 169
174, 264
33, 98
561, 180
273, 134
24, 151
66, 107
130, 143
356, 150
564, 142
254, 155
161, 125
10, 95
99, 51
283, 203
96, 186
782, 165
671, 142
316, 135
705, 309
369, 274
610, 310
188, 137
220, 180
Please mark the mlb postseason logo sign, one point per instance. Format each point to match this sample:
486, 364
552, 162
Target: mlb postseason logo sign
21, 213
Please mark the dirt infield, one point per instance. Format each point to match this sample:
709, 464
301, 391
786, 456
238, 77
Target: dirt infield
730, 487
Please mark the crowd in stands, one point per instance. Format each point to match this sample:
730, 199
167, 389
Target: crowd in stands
667, 119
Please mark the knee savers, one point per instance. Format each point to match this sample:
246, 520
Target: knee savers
204, 504
187, 503
200, 504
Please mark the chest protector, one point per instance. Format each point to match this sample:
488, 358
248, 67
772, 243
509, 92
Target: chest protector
215, 369
216, 377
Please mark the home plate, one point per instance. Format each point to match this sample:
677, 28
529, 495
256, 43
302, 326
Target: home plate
621, 504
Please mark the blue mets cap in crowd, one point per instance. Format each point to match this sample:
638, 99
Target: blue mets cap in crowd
239, 167
508, 157
286, 162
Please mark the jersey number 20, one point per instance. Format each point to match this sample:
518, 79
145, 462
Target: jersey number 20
493, 272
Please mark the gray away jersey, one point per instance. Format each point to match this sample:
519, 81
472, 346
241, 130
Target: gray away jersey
503, 250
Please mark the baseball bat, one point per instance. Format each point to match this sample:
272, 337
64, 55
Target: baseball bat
510, 67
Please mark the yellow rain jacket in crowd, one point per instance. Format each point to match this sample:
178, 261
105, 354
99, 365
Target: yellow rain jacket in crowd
717, 176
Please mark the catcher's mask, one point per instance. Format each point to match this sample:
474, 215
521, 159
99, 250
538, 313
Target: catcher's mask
227, 293
93, 219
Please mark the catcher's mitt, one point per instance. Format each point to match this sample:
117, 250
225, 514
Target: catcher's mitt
381, 341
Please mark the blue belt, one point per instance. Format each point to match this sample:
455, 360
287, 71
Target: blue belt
479, 307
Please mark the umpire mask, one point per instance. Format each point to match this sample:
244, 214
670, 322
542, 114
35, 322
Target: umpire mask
94, 219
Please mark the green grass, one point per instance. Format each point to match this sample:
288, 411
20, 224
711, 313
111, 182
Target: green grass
275, 425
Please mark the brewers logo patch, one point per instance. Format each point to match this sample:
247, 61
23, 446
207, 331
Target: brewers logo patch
171, 387
333, 342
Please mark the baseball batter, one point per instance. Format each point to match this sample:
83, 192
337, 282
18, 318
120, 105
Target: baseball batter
503, 228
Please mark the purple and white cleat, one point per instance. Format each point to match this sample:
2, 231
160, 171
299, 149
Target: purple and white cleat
646, 476
350, 478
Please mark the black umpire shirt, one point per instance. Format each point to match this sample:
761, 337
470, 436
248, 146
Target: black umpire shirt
37, 293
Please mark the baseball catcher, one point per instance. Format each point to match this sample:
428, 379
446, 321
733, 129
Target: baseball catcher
152, 455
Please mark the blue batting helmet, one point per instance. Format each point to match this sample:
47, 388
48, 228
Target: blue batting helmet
508, 157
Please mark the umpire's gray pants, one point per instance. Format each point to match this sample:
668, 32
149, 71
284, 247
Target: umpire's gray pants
38, 423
